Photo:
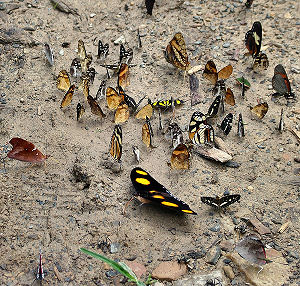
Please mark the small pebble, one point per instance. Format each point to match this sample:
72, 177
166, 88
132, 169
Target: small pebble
92, 15
114, 247
61, 52
226, 45
22, 100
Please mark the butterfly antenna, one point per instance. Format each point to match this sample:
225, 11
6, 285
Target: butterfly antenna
126, 205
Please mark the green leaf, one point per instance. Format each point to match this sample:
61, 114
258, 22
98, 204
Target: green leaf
243, 80
120, 267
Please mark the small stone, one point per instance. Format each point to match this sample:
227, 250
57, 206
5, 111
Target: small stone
280, 149
120, 40
169, 271
226, 245
215, 228
228, 271
250, 188
61, 52
158, 284
232, 164
39, 111
214, 255
138, 268
114, 247
226, 45
111, 273
92, 15
22, 100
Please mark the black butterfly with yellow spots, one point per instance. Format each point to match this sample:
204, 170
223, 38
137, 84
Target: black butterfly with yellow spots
148, 188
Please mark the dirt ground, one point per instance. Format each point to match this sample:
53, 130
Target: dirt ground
47, 208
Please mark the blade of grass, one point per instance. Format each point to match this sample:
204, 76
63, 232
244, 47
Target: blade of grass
120, 267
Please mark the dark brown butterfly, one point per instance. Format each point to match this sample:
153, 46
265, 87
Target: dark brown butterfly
180, 157
220, 202
241, 130
211, 74
253, 39
176, 53
248, 3
149, 6
214, 107
260, 110
25, 151
95, 108
116, 143
148, 188
226, 124
229, 97
281, 83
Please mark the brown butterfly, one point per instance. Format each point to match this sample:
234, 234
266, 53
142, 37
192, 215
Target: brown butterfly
261, 62
281, 83
260, 110
176, 53
122, 113
146, 111
180, 157
147, 133
116, 143
211, 74
25, 151
123, 76
113, 98
80, 110
63, 81
68, 96
229, 97
95, 108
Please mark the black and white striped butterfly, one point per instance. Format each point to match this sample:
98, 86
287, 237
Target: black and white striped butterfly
125, 55
226, 124
220, 202
102, 50
241, 130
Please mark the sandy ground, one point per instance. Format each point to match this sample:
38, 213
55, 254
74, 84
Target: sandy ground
47, 208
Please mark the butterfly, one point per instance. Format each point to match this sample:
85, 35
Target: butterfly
149, 6
123, 76
261, 62
204, 135
116, 143
49, 54
63, 81
180, 157
139, 39
281, 83
147, 133
211, 74
148, 188
249, 3
122, 113
252, 249
194, 89
229, 97
240, 131
40, 271
91, 72
68, 96
125, 55
176, 134
214, 107
84, 58
102, 50
197, 119
281, 122
226, 124
176, 53
75, 68
101, 90
253, 39
165, 104
260, 110
80, 110
114, 98
220, 202
95, 108
147, 110
25, 151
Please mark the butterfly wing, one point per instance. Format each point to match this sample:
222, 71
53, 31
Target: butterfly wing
75, 68
49, 54
214, 108
149, 6
197, 119
122, 113
228, 200
63, 80
113, 98
225, 72
204, 135
229, 97
261, 62
123, 76
80, 111
253, 39
25, 151
210, 72
68, 96
148, 188
241, 131
280, 81
81, 51
147, 133
116, 143
101, 90
180, 157
211, 201
226, 124
146, 111
95, 108
260, 110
